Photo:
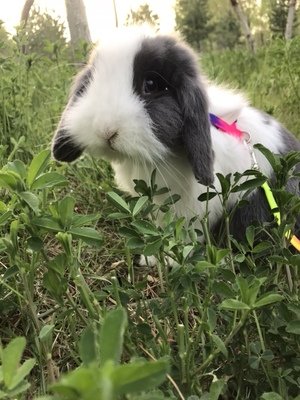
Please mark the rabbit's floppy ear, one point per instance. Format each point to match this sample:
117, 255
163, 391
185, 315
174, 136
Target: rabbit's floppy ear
196, 129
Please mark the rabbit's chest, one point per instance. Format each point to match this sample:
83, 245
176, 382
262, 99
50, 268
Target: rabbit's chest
179, 180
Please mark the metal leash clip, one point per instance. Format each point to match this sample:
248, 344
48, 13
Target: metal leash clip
247, 143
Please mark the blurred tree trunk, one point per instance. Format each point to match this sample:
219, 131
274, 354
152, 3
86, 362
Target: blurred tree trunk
244, 23
23, 20
116, 13
290, 20
77, 21
25, 12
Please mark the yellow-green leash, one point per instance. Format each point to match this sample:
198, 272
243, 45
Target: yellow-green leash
295, 242
273, 205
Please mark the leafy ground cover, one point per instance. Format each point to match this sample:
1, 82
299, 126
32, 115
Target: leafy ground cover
80, 320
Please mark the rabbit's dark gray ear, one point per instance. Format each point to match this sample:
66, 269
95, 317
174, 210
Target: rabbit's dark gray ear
196, 129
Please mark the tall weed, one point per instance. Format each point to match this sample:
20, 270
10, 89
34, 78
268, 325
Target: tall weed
33, 89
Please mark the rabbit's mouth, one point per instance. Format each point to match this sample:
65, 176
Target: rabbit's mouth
111, 138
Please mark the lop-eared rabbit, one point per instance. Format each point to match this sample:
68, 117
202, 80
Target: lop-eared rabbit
142, 103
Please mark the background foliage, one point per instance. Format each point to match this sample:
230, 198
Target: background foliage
43, 34
211, 24
142, 15
222, 323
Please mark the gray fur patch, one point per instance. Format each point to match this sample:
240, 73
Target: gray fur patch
81, 83
267, 119
290, 142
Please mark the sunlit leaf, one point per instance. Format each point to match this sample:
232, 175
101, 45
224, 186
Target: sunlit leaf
220, 344
37, 166
233, 304
47, 223
48, 180
118, 202
22, 372
88, 349
142, 201
145, 227
88, 235
31, 200
139, 376
112, 335
11, 357
268, 299
46, 332
152, 247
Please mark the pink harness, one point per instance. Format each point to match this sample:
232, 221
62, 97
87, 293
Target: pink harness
231, 129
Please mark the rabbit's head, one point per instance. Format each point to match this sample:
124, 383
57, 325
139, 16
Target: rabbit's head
140, 97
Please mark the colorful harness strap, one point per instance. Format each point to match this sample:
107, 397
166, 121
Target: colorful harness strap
233, 130
223, 126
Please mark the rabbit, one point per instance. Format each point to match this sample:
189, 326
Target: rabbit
142, 103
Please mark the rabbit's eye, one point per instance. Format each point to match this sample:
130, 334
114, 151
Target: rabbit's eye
154, 85
150, 86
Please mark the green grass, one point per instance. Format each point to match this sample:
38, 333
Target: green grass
222, 323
